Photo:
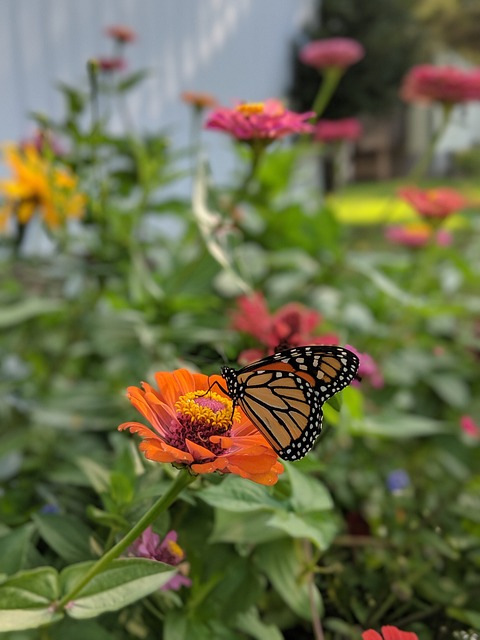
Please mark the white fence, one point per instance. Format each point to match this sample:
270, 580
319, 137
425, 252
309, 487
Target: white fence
235, 49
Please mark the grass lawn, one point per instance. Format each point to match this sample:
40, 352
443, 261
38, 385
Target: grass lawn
377, 203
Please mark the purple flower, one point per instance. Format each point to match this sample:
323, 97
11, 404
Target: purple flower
398, 480
148, 545
368, 369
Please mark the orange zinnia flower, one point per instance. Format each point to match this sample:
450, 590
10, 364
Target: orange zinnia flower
200, 429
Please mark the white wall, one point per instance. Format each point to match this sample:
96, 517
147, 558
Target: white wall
235, 49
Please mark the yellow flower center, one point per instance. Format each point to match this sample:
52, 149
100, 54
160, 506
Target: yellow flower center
250, 108
175, 549
212, 409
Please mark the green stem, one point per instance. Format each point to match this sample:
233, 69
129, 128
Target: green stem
425, 159
257, 148
183, 479
327, 88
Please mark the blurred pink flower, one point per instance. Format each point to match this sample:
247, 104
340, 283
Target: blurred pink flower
111, 64
368, 369
333, 130
332, 52
417, 235
433, 203
469, 426
121, 33
450, 85
266, 121
293, 325
43, 141
148, 545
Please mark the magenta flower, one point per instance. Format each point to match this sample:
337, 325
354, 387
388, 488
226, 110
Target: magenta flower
470, 427
368, 369
449, 85
148, 545
254, 121
417, 235
332, 52
334, 130
111, 64
433, 203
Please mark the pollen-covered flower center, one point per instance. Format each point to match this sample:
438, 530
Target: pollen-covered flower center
250, 108
200, 416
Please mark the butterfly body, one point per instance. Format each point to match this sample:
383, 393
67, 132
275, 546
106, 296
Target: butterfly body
283, 394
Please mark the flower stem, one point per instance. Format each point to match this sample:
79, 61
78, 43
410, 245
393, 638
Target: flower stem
425, 159
327, 88
183, 479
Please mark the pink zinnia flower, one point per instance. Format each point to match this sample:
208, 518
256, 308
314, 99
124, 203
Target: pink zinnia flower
470, 427
293, 325
121, 33
389, 633
450, 85
148, 545
417, 235
368, 369
266, 121
111, 64
333, 130
332, 52
433, 203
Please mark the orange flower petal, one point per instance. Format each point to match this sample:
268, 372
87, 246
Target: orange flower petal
198, 452
156, 449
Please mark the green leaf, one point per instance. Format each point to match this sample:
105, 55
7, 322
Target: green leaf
248, 528
132, 80
123, 582
451, 389
397, 426
75, 99
26, 599
251, 624
284, 566
234, 494
66, 535
14, 548
318, 527
180, 626
308, 494
68, 629
471, 618
29, 308
353, 403
98, 476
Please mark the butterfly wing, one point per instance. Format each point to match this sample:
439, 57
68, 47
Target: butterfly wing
283, 394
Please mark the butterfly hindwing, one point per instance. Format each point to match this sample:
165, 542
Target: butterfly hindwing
283, 394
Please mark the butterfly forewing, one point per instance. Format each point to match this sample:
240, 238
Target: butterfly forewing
283, 394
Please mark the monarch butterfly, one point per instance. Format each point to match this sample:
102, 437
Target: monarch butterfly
283, 394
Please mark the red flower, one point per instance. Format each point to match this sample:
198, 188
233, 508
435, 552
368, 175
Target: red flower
111, 64
332, 52
197, 428
389, 633
266, 121
417, 235
433, 203
121, 33
293, 325
332, 130
450, 85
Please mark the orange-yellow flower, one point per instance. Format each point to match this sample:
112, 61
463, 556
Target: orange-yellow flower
38, 185
200, 430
